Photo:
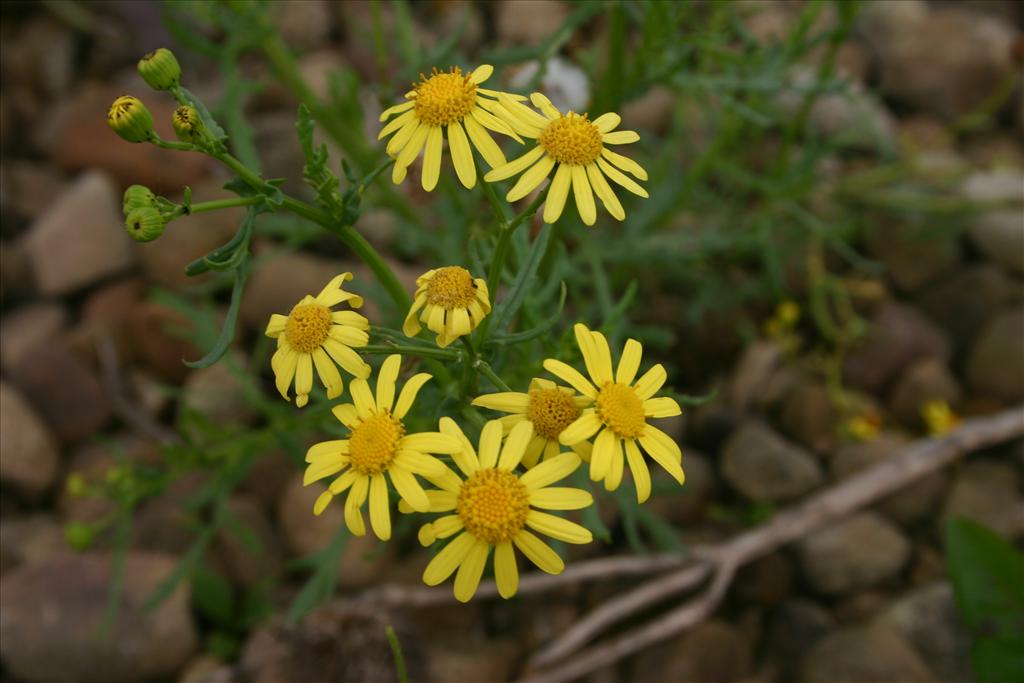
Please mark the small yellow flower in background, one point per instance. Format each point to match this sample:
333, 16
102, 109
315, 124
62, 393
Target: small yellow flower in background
495, 508
549, 408
939, 417
620, 412
577, 146
446, 102
864, 427
377, 445
453, 303
314, 335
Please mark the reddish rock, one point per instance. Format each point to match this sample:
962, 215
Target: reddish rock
158, 338
24, 329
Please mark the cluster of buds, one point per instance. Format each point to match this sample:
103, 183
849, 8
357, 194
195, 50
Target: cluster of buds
142, 217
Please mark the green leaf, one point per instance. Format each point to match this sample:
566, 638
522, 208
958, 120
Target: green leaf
227, 332
524, 279
988, 582
212, 596
533, 333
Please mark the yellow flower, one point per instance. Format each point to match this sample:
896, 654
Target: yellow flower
939, 417
493, 508
620, 413
549, 408
377, 444
450, 102
313, 334
453, 303
864, 426
578, 147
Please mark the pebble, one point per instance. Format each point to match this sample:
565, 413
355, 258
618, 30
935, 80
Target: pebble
651, 112
964, 301
926, 380
28, 327
998, 233
986, 492
713, 652
30, 458
51, 614
29, 540
767, 581
28, 188
995, 366
248, 546
858, 655
528, 22
809, 416
80, 239
792, 629
914, 255
835, 561
218, 395
689, 503
156, 333
759, 362
107, 311
766, 468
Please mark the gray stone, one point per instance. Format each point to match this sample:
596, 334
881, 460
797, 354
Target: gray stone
995, 367
218, 394
860, 655
913, 254
248, 548
766, 468
528, 21
760, 360
713, 652
80, 239
28, 452
652, 111
836, 560
962, 303
793, 628
25, 328
28, 188
52, 614
999, 233
926, 380
927, 618
29, 540
809, 416
987, 493
686, 504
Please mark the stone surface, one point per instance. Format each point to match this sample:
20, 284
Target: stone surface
760, 360
928, 620
25, 328
809, 416
897, 335
962, 303
767, 581
29, 540
28, 188
28, 452
998, 233
766, 468
158, 337
80, 239
64, 391
858, 655
987, 493
218, 394
713, 652
794, 627
926, 380
282, 280
51, 614
248, 547
528, 22
836, 559
689, 503
995, 367
906, 505
913, 254
652, 111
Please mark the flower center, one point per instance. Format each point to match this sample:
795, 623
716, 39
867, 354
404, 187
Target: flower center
308, 326
451, 287
621, 409
493, 505
444, 97
374, 442
551, 411
572, 139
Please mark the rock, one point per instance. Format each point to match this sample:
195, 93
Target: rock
80, 239
342, 643
793, 628
907, 505
962, 303
713, 652
164, 524
564, 83
305, 26
767, 581
995, 366
858, 655
107, 312
156, 334
267, 477
206, 669
64, 390
987, 493
28, 327
897, 335
766, 468
15, 271
835, 561
924, 381
279, 282
928, 619
51, 614
248, 547
998, 233
29, 462
689, 503
28, 188
528, 22
759, 362
652, 111
41, 56
809, 416
974, 60
218, 395
913, 254
29, 540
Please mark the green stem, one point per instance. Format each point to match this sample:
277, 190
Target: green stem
485, 369
170, 144
218, 204
443, 354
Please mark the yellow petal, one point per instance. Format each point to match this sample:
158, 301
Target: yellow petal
650, 382
515, 166
539, 552
472, 568
580, 430
391, 111
663, 406
276, 325
323, 468
550, 471
333, 448
396, 123
409, 489
481, 73
506, 574
380, 515
571, 375
465, 458
328, 373
558, 528
601, 458
604, 191
386, 381
531, 179
322, 501
596, 354
620, 137
408, 393
362, 397
629, 361
621, 178
607, 122
557, 193
347, 358
544, 104
560, 498
487, 147
505, 401
413, 147
431, 442
584, 196
399, 140
304, 375
432, 158
616, 465
641, 474
346, 414
490, 442
515, 446
448, 560
625, 163
462, 155
664, 451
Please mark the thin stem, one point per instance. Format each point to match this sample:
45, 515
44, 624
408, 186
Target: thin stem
170, 144
218, 204
443, 354
485, 369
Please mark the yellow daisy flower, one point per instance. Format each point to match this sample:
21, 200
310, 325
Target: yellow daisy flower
453, 303
377, 444
620, 413
450, 102
579, 147
549, 408
314, 335
495, 508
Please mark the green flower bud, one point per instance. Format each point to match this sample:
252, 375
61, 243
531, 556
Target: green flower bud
144, 224
137, 197
160, 69
76, 486
129, 118
79, 535
187, 124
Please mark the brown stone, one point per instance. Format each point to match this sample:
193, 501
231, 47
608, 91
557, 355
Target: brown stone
158, 338
28, 452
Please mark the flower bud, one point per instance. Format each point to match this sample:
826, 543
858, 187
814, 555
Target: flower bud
137, 197
144, 224
129, 118
187, 124
78, 535
160, 69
